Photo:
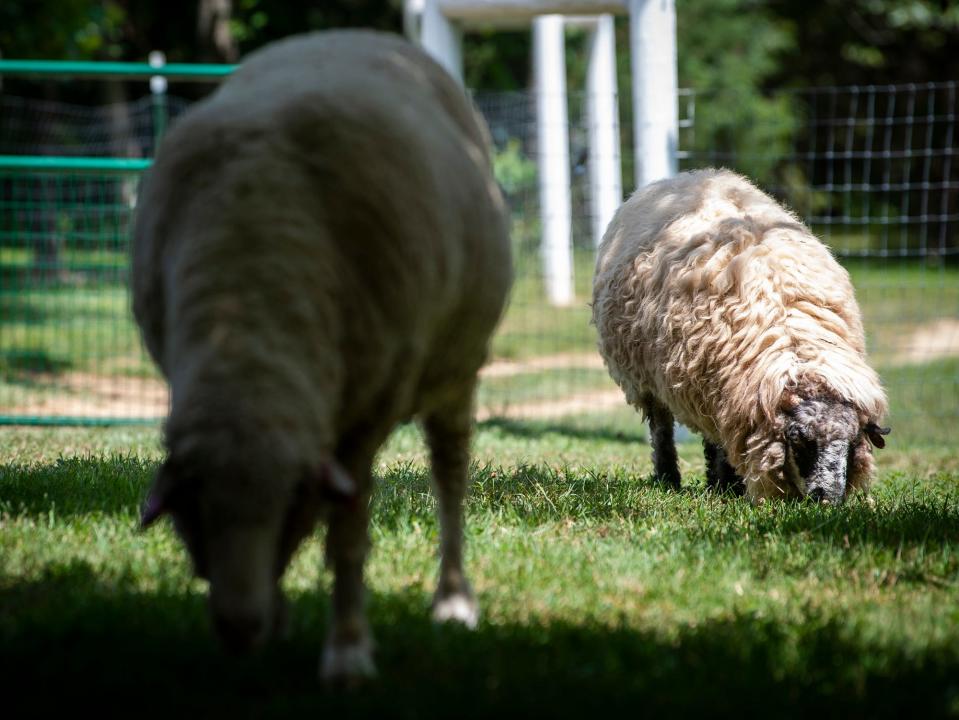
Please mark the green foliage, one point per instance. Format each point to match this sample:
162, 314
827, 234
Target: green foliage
61, 29
257, 22
736, 43
869, 41
728, 51
517, 174
102, 35
495, 59
513, 170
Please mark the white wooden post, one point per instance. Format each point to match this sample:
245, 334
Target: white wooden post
653, 50
158, 88
605, 175
412, 17
549, 53
441, 39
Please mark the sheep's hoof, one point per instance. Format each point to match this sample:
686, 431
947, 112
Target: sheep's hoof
459, 608
348, 664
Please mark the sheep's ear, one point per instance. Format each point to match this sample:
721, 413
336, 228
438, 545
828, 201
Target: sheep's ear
165, 485
875, 434
331, 481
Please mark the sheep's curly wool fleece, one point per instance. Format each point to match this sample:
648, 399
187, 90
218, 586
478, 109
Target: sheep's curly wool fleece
712, 298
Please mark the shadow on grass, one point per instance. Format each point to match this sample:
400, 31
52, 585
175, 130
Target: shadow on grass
17, 310
535, 429
903, 520
19, 366
71, 640
529, 494
898, 523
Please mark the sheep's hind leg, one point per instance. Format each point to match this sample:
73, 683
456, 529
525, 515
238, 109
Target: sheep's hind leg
348, 654
720, 475
665, 463
448, 436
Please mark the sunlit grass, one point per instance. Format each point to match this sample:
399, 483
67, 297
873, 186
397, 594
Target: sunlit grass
595, 582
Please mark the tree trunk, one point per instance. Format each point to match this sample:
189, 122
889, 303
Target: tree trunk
216, 42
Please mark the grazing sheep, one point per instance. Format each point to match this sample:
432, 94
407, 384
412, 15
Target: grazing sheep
717, 307
320, 254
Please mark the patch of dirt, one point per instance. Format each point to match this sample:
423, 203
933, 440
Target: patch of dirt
510, 368
80, 394
931, 341
586, 402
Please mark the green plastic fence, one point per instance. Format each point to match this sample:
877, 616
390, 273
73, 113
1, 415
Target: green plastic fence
69, 350
70, 353
68, 70
53, 163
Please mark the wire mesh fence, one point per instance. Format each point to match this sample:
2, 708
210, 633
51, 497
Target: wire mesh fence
69, 351
544, 360
873, 170
33, 126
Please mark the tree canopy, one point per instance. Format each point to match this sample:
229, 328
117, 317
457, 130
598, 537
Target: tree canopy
722, 43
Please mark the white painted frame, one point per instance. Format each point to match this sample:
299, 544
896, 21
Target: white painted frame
437, 26
552, 135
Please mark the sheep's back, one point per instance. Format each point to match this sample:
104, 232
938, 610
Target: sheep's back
348, 211
702, 277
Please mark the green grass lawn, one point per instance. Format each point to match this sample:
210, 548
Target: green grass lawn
531, 326
56, 330
59, 340
600, 591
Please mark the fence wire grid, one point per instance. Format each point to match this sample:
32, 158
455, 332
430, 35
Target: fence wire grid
873, 171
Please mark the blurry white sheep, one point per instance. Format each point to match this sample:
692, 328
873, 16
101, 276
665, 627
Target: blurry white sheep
320, 254
717, 307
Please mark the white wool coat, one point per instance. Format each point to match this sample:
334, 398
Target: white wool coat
714, 299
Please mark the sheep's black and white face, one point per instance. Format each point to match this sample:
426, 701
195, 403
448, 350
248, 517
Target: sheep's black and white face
242, 545
822, 439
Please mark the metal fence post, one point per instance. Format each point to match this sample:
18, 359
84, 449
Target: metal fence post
158, 87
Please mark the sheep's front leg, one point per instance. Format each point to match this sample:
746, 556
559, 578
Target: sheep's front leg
720, 475
448, 436
348, 655
665, 462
